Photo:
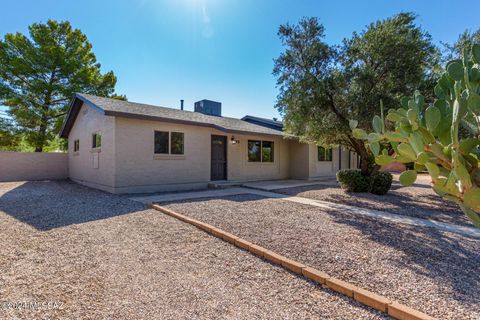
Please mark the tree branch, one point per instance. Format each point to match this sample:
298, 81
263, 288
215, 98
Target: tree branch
58, 115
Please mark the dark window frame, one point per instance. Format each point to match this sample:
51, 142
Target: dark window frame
324, 154
96, 140
170, 146
260, 158
76, 145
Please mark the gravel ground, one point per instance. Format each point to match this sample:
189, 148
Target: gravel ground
104, 257
434, 272
418, 201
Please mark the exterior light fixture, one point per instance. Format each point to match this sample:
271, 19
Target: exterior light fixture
233, 141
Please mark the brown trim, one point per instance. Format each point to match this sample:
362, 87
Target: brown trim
73, 111
185, 122
339, 157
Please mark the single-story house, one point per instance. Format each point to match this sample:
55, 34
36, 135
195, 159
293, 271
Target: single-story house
127, 147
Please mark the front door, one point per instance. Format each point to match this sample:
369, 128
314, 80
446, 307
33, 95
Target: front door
219, 158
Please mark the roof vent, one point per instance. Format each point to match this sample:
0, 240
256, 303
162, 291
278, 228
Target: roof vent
208, 107
181, 104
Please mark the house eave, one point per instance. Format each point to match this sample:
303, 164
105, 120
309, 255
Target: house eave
73, 110
186, 122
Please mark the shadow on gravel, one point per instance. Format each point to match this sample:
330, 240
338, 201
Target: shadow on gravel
427, 205
47, 205
449, 259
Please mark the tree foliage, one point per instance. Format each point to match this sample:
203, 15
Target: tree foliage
323, 86
39, 75
462, 44
9, 138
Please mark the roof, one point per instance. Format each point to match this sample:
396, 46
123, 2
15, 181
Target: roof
269, 123
119, 108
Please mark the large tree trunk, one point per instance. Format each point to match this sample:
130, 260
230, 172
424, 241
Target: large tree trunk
366, 166
40, 141
42, 130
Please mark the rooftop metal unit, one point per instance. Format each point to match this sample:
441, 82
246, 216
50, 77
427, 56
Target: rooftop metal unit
208, 107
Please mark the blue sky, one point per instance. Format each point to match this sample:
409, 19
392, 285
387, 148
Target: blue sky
166, 50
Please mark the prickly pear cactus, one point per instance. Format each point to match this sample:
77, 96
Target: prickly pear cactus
429, 136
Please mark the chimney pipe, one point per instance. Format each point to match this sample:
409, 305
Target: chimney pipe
181, 104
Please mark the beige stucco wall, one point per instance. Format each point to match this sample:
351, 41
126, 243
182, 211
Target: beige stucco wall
320, 169
299, 160
22, 166
138, 169
80, 164
344, 157
240, 169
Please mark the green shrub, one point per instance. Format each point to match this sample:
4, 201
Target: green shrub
352, 180
381, 182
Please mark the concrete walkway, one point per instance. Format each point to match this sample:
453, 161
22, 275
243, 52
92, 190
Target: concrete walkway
281, 184
448, 227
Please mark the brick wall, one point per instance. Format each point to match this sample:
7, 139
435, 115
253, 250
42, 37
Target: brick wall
24, 166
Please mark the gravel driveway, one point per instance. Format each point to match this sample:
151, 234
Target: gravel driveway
418, 201
432, 271
104, 257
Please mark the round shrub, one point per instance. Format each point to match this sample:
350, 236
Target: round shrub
381, 182
352, 180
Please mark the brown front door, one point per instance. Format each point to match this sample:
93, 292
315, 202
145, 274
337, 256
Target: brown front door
219, 158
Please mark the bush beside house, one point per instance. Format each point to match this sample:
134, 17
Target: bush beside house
352, 180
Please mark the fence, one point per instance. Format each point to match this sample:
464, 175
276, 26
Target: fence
22, 166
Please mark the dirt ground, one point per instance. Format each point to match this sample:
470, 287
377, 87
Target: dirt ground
70, 252
432, 271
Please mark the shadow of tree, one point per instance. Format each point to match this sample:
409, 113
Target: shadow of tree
415, 201
449, 259
47, 205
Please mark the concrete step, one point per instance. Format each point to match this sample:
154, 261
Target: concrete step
224, 184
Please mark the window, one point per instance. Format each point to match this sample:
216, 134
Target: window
176, 146
260, 151
324, 154
76, 145
169, 142
96, 140
267, 151
161, 142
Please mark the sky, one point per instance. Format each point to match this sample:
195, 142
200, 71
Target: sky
223, 50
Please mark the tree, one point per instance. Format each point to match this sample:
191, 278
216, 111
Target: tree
322, 87
463, 44
468, 126
39, 75
8, 135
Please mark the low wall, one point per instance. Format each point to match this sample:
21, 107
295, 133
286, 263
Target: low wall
24, 166
394, 167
